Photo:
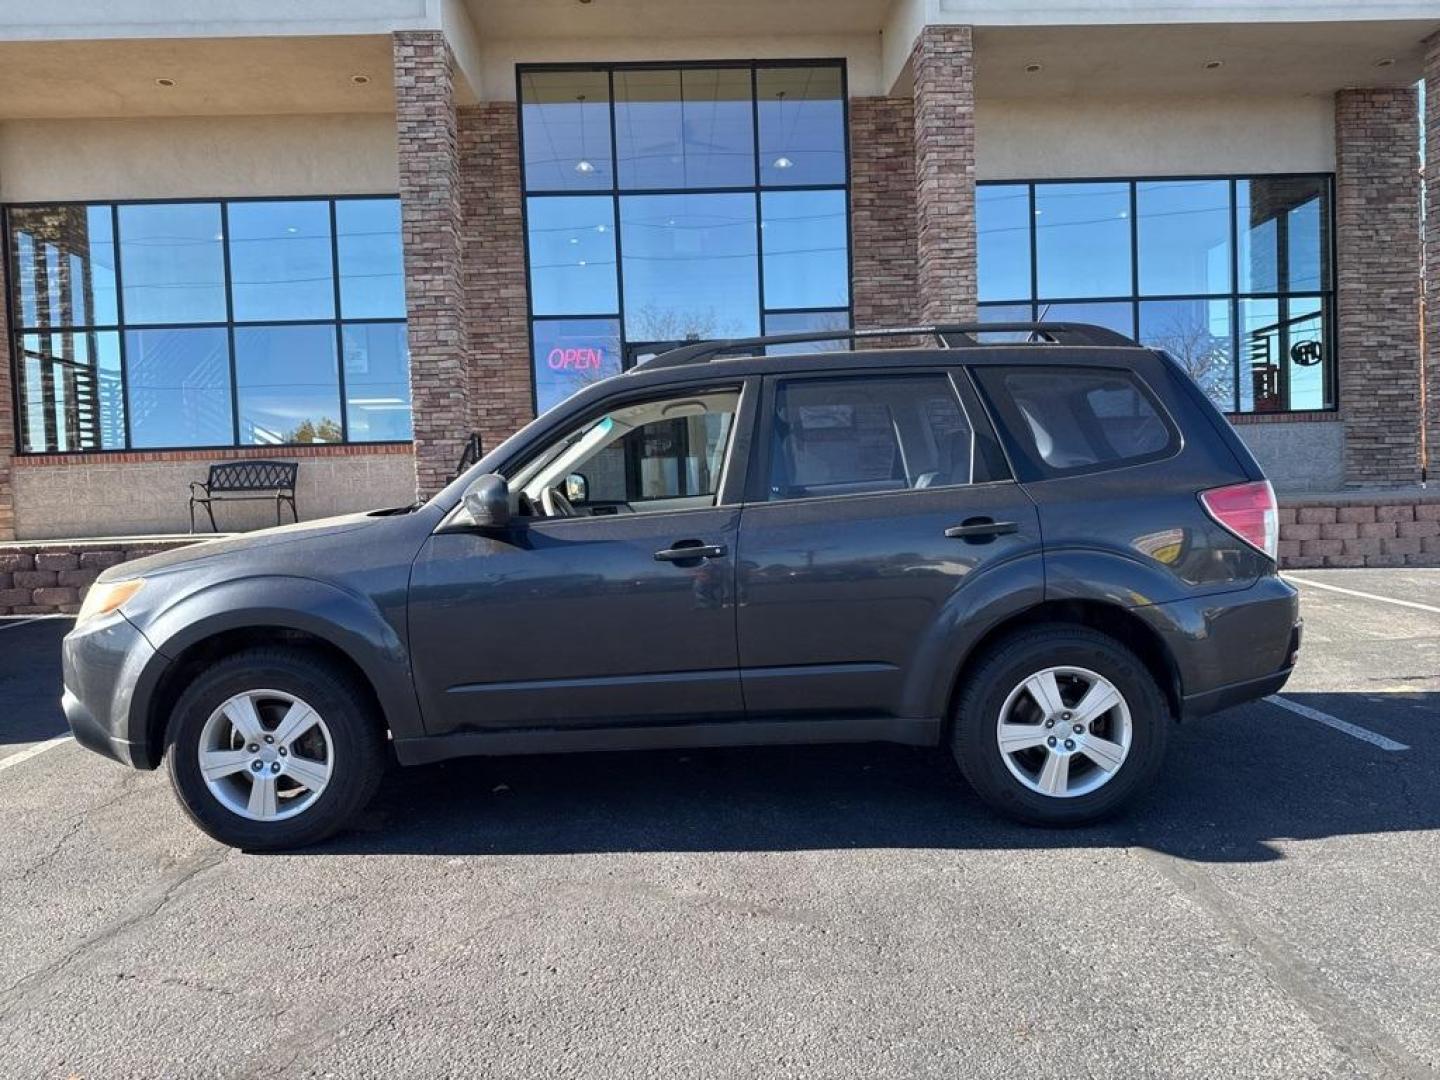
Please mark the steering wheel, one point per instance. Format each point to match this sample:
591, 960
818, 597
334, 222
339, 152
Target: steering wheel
555, 504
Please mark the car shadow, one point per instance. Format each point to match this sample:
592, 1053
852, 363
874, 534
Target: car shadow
30, 680
1232, 785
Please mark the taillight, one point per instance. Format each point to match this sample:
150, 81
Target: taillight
1248, 511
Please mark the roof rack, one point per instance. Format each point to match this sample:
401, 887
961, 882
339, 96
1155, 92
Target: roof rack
948, 335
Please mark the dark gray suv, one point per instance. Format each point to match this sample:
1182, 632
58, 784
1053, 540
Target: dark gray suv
1036, 544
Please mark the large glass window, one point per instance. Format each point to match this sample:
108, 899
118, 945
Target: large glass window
717, 205
1232, 276
220, 323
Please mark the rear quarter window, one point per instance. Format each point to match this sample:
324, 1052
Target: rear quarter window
1068, 420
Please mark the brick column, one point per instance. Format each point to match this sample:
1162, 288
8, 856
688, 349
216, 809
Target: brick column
494, 260
882, 211
430, 216
1377, 219
944, 67
1432, 255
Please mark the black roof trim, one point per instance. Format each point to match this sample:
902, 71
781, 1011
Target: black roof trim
947, 335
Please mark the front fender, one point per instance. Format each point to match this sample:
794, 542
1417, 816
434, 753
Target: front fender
989, 597
351, 623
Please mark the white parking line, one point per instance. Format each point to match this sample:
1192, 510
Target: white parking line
10, 622
1363, 595
34, 751
1353, 730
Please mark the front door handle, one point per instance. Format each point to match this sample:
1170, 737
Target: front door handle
981, 527
690, 550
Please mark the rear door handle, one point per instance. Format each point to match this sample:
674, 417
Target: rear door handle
981, 527
685, 551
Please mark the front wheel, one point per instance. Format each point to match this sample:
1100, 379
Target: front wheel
273, 748
1060, 725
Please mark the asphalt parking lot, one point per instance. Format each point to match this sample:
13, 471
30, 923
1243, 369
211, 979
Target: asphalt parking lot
1270, 910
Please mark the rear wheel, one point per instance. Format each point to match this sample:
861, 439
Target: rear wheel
273, 748
1060, 725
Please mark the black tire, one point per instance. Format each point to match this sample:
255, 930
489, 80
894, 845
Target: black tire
1009, 663
356, 737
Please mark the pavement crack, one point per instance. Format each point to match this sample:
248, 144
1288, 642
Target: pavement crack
127, 788
1354, 1034
151, 903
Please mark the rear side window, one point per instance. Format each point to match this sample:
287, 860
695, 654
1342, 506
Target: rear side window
868, 434
1072, 419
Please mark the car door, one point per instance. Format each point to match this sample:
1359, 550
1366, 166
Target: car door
877, 500
587, 620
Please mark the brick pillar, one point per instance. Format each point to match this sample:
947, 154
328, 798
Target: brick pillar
1377, 219
494, 260
944, 67
882, 211
1432, 255
430, 216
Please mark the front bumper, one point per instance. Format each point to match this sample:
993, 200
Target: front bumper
103, 660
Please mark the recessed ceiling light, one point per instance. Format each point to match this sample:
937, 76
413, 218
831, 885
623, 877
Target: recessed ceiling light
783, 162
1385, 61
1033, 67
1211, 65
359, 80
583, 167
167, 83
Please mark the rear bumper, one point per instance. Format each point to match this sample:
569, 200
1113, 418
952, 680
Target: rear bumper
1232, 647
102, 661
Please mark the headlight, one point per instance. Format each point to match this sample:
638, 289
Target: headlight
103, 598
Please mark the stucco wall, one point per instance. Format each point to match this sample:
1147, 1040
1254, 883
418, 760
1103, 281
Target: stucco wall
1039, 139
1301, 455
139, 498
197, 156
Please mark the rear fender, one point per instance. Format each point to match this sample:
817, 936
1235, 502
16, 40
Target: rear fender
992, 595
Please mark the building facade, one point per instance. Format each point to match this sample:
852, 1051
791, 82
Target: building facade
353, 235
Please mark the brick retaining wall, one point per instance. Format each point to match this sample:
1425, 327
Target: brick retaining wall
48, 579
1366, 529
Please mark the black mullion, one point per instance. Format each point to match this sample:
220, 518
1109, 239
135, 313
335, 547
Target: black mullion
230, 323
621, 336
1234, 294
1031, 229
11, 326
1132, 188
120, 324
339, 324
759, 200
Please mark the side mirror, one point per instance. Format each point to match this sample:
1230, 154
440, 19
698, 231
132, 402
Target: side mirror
577, 489
487, 501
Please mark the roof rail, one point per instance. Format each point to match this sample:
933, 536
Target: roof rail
948, 335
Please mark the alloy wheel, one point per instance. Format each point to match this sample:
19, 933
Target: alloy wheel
266, 755
1064, 732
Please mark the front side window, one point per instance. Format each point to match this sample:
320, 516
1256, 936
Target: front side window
1231, 276
868, 435
208, 323
643, 457
678, 203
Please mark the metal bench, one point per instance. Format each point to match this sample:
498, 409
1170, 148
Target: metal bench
246, 481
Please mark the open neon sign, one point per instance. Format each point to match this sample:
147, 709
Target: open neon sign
578, 358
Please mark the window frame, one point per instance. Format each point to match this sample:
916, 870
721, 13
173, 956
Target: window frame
986, 449
1233, 298
615, 192
229, 324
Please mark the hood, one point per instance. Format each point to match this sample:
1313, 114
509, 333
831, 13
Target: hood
261, 539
